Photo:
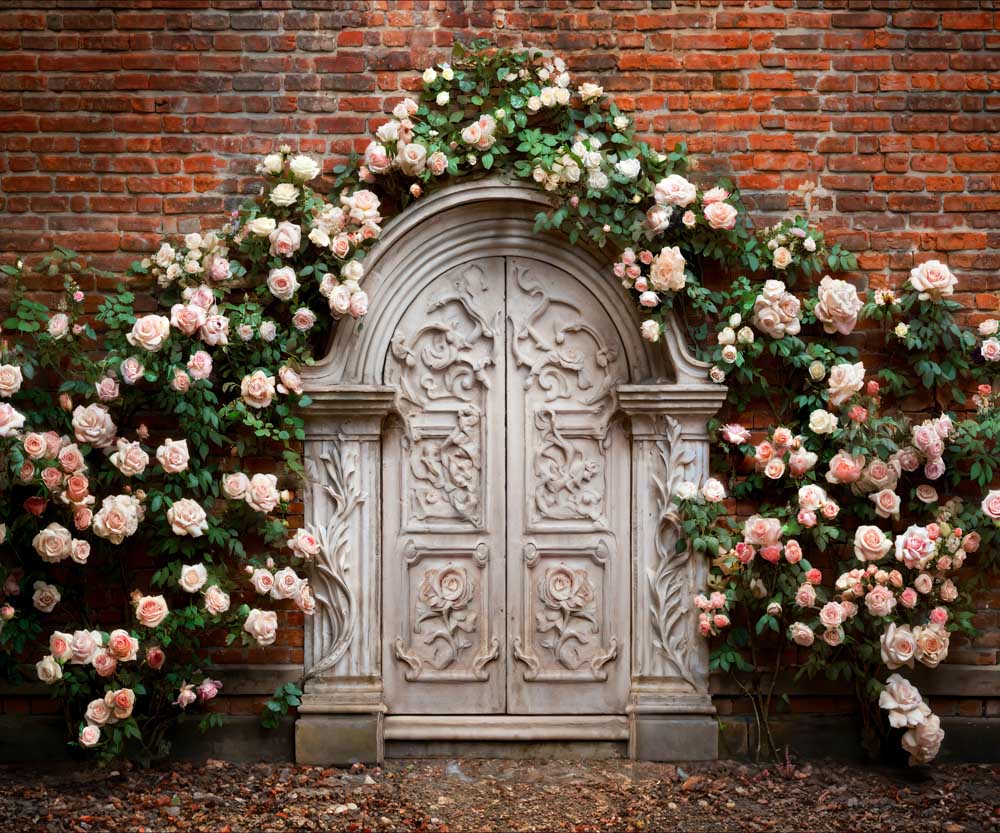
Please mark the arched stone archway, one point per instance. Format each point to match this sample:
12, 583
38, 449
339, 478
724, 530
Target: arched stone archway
486, 574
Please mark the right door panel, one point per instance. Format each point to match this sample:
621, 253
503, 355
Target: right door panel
568, 499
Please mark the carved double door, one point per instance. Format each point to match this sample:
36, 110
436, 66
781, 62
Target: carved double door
506, 498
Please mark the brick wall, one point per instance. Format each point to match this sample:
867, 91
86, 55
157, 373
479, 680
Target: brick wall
118, 124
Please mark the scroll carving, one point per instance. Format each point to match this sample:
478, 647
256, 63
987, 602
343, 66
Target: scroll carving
567, 479
337, 476
669, 582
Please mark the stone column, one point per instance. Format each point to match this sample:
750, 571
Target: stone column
340, 719
670, 709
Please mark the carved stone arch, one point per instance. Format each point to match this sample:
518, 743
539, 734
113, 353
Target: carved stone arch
668, 401
454, 225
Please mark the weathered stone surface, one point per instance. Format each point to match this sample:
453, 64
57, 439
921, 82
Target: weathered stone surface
675, 738
338, 740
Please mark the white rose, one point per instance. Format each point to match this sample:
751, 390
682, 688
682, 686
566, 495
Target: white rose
193, 577
628, 168
283, 194
286, 584
10, 420
173, 455
822, 422
262, 226
273, 163
713, 491
838, 306
412, 158
650, 330
899, 646
216, 601
186, 517
430, 75
590, 92
304, 168
686, 490
262, 625
234, 486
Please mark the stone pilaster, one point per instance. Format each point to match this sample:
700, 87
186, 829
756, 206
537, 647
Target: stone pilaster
670, 704
341, 713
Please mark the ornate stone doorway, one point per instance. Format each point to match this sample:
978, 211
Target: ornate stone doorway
491, 456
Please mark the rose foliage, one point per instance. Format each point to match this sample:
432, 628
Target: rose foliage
143, 520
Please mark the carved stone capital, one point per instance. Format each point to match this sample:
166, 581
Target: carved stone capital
348, 411
691, 405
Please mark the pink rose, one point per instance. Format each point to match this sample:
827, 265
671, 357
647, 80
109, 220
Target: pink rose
104, 664
303, 319
793, 552
814, 576
208, 689
939, 616
285, 239
200, 365
880, 601
188, 318
807, 519
908, 598
759, 531
991, 505
107, 389
744, 552
831, 615
122, 645
805, 596
155, 657
131, 370
845, 468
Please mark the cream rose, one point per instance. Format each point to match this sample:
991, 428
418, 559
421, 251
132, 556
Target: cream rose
262, 580
283, 195
285, 239
257, 389
45, 597
303, 168
150, 332
150, 611
262, 625
10, 379
93, 425
831, 615
234, 486
923, 741
801, 634
48, 670
286, 584
933, 280
845, 381
903, 702
216, 601
871, 543
932, 644
173, 455
304, 544
122, 645
53, 544
262, 492
887, 503
129, 459
186, 517
412, 158
262, 226
838, 306
118, 518
666, 272
721, 215
899, 646
99, 714
675, 190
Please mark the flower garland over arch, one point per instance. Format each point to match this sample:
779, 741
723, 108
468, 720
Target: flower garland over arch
243, 308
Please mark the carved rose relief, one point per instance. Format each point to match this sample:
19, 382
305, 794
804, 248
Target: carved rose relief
443, 615
568, 618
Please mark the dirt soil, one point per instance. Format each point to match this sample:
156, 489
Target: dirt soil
495, 795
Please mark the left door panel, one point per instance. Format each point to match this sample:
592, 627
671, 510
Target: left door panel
443, 487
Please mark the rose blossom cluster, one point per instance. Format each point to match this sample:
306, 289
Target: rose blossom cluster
713, 617
907, 709
814, 503
928, 439
258, 389
776, 310
85, 647
649, 276
282, 584
581, 163
199, 257
763, 536
260, 492
783, 452
789, 240
731, 340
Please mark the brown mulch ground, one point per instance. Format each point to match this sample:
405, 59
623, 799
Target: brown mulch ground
473, 795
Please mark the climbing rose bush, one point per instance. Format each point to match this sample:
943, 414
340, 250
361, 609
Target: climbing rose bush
143, 479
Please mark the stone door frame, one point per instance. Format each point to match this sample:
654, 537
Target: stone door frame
342, 717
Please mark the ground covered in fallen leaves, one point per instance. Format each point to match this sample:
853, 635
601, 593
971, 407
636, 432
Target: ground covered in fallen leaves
494, 795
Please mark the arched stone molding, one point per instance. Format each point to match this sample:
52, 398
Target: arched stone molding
667, 401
